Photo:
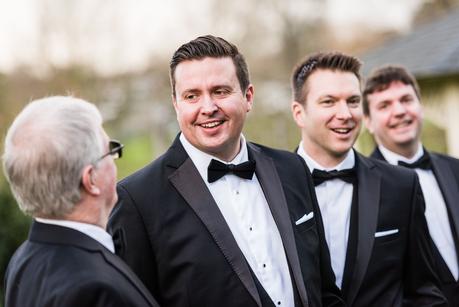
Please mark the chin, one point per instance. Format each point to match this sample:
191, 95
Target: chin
340, 152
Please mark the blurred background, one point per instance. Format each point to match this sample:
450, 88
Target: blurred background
116, 54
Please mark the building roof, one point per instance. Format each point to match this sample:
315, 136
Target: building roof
430, 50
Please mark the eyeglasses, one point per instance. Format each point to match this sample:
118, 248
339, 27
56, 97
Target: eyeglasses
115, 150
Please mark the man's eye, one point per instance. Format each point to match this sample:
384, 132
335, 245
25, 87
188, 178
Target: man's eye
354, 101
221, 92
190, 97
407, 99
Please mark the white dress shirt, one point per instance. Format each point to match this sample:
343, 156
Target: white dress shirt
436, 212
246, 211
335, 202
93, 231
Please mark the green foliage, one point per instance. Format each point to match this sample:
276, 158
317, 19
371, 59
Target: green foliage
433, 137
365, 143
14, 226
137, 152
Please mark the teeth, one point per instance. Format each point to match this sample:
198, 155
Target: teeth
211, 125
342, 130
403, 123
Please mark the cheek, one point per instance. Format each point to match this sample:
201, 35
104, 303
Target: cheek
185, 116
381, 120
416, 112
357, 115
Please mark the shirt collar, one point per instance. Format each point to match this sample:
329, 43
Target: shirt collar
93, 231
347, 163
201, 159
393, 157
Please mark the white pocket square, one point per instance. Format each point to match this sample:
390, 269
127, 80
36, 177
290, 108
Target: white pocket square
305, 218
385, 233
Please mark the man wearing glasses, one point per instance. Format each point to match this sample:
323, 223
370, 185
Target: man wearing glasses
60, 166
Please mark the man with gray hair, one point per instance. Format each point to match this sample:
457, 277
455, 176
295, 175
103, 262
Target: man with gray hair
60, 166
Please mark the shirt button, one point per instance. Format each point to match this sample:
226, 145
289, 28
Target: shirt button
278, 303
250, 228
264, 265
237, 192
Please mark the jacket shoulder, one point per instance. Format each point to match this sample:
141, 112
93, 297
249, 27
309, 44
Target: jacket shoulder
387, 169
146, 174
277, 154
449, 159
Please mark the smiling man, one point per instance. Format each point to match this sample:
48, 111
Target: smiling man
372, 212
393, 114
217, 220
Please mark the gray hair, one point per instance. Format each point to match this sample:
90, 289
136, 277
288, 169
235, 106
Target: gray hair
46, 148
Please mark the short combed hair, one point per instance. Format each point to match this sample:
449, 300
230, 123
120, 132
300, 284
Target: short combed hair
46, 148
214, 47
381, 78
335, 61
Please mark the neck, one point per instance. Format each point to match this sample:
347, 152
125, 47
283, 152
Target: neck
325, 159
229, 153
89, 213
408, 151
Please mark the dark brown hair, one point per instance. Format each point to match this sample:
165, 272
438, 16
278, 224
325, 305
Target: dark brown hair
335, 61
381, 78
214, 47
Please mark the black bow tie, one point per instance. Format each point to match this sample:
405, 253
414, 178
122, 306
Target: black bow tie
217, 170
422, 163
347, 175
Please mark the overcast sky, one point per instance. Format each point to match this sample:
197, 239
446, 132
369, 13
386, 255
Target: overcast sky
146, 28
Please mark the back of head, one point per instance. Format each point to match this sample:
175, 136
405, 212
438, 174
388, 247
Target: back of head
46, 148
214, 47
381, 78
334, 61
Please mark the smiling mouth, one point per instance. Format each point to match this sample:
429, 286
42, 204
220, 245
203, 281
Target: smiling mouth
212, 124
401, 124
342, 130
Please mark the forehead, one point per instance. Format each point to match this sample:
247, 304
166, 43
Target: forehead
332, 82
208, 71
394, 91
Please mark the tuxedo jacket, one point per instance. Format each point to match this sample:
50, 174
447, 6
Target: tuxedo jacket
170, 231
446, 172
393, 262
59, 266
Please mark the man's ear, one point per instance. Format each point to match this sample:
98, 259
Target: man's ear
367, 122
298, 113
174, 101
89, 180
249, 97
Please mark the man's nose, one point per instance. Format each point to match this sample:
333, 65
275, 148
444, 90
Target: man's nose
343, 111
208, 105
399, 108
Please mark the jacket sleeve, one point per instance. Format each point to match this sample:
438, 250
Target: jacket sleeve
131, 239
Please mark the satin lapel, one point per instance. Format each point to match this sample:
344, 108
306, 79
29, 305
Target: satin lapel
272, 188
189, 184
376, 154
369, 181
448, 186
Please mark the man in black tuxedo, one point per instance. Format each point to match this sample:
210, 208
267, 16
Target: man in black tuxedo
217, 220
372, 212
59, 163
393, 114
